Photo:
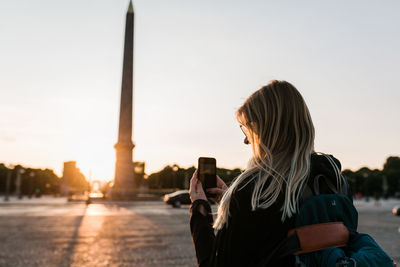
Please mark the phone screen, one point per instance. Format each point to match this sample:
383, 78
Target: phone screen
208, 173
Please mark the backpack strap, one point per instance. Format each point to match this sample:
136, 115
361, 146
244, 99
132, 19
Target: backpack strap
335, 235
306, 194
330, 185
315, 188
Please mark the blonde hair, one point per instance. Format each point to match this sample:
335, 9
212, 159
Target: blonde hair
282, 139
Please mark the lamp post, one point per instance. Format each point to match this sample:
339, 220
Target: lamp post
186, 185
175, 168
18, 181
8, 182
31, 177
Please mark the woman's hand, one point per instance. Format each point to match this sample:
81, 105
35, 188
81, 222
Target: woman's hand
196, 189
218, 191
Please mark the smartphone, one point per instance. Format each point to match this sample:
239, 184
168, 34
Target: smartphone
207, 174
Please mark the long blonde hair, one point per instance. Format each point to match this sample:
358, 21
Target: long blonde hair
281, 134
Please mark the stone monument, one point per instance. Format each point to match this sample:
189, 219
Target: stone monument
123, 181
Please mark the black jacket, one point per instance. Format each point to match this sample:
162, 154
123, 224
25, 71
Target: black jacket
250, 235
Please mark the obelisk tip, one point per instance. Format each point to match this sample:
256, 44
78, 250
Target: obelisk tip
130, 8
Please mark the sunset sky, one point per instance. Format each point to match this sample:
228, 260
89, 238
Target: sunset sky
195, 63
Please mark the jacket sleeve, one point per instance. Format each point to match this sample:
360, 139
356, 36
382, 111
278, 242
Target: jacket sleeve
228, 242
202, 232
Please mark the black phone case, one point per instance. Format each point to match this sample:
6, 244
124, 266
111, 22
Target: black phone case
208, 181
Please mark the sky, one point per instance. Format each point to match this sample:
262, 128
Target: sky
195, 62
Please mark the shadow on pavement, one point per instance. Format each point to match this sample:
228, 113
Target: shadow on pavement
67, 258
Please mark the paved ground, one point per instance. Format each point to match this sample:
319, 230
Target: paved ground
55, 233
134, 234
377, 220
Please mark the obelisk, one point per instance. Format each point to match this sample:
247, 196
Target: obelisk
123, 181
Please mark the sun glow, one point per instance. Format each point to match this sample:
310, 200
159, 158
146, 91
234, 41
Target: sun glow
95, 160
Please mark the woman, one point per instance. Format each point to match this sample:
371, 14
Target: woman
258, 209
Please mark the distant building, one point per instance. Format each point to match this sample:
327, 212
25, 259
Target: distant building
138, 173
72, 181
139, 167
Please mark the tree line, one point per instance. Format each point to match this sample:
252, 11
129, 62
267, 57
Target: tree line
32, 181
363, 182
173, 176
375, 182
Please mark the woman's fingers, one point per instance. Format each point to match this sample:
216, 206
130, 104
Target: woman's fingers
196, 189
193, 182
194, 176
215, 190
221, 183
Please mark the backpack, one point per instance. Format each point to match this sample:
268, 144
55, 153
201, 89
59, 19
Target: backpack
326, 232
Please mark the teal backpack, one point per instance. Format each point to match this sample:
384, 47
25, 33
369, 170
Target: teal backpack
326, 232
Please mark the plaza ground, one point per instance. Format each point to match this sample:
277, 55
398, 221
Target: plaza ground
53, 232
